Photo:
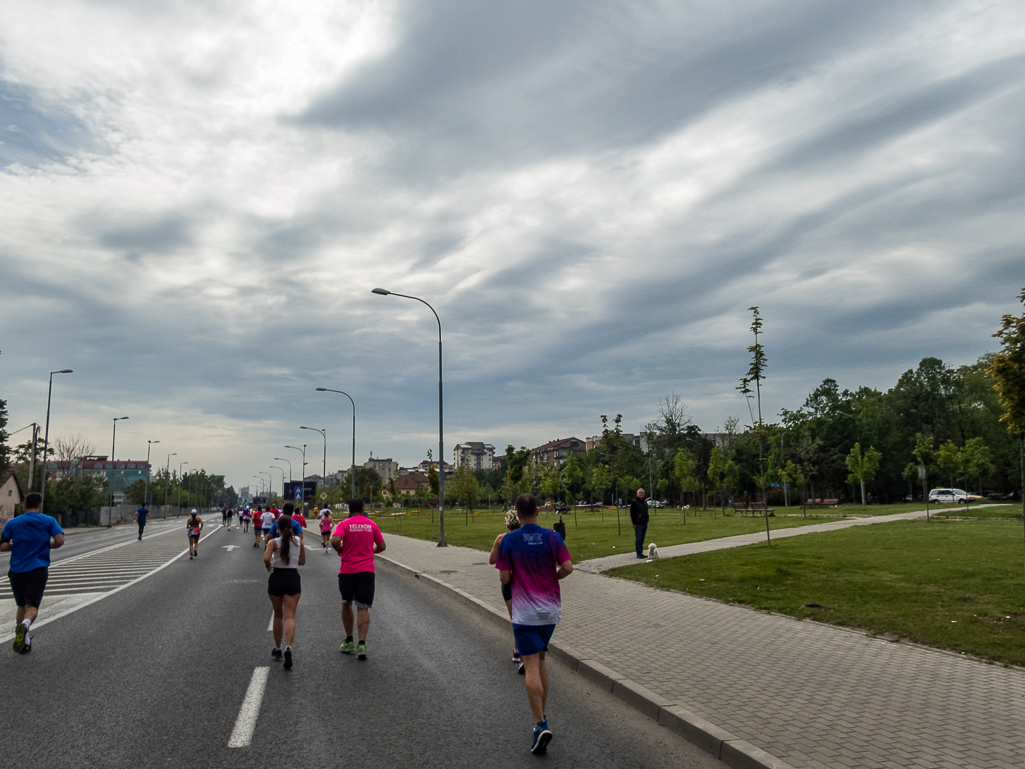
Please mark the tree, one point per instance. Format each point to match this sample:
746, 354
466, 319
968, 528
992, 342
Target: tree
756, 373
1008, 372
862, 466
683, 471
948, 458
553, 482
5, 452
717, 470
464, 488
68, 448
601, 481
976, 461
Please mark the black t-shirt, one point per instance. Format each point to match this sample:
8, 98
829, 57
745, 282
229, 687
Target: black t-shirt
639, 511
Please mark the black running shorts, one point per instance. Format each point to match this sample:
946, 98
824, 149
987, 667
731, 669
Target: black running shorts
358, 587
28, 586
284, 582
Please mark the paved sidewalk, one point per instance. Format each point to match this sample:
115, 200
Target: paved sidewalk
596, 565
807, 694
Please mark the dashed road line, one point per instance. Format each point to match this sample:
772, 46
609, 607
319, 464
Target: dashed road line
245, 724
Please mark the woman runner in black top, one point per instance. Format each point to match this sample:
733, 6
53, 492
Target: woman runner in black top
193, 526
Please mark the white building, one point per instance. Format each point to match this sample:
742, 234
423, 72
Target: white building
386, 468
475, 455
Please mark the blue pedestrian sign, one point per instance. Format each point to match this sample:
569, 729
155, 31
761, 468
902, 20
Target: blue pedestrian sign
298, 492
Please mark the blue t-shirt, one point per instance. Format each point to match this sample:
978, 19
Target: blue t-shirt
142, 512
30, 534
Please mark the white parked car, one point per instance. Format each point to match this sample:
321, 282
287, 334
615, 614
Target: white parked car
952, 495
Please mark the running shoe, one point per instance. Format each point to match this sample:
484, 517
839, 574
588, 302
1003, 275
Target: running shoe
348, 647
516, 655
20, 632
361, 651
521, 670
275, 654
288, 658
542, 736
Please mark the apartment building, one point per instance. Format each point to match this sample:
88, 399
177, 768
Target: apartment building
555, 452
475, 455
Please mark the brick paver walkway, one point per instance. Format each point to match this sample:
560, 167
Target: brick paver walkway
809, 694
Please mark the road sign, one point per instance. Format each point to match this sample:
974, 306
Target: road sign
298, 492
323, 495
921, 473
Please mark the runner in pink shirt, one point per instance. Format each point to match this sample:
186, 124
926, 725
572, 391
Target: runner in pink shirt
356, 540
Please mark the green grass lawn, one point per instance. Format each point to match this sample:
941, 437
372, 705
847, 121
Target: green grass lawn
593, 534
950, 584
901, 507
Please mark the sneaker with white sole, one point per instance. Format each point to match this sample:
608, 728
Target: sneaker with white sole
348, 647
542, 736
361, 650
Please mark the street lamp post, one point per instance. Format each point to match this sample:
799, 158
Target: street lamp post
270, 482
46, 437
110, 475
167, 479
282, 478
352, 470
323, 434
302, 479
180, 466
441, 418
145, 494
285, 459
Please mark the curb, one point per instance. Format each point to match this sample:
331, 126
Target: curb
723, 745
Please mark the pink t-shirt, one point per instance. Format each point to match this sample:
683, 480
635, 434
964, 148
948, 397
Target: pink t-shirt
359, 535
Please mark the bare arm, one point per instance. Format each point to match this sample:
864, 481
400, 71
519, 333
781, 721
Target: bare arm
379, 547
269, 551
56, 541
336, 543
302, 553
505, 575
493, 558
5, 546
565, 569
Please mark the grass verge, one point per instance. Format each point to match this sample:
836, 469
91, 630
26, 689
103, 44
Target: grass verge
592, 534
956, 585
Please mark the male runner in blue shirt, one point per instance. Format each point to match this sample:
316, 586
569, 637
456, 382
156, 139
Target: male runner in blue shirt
29, 538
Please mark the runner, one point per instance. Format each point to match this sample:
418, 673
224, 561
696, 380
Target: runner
534, 560
356, 539
326, 522
231, 514
267, 519
283, 557
224, 517
30, 537
297, 522
140, 516
194, 525
512, 522
257, 525
243, 518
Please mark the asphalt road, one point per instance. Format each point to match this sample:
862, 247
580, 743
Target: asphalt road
156, 675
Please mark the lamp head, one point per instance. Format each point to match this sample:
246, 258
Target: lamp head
322, 389
65, 371
305, 428
381, 291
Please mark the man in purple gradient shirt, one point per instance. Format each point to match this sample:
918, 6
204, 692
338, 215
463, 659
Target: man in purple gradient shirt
538, 559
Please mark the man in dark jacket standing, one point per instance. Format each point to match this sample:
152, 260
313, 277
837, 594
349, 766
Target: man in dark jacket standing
639, 518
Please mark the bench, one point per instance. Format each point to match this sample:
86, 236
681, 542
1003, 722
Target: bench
822, 502
739, 505
759, 507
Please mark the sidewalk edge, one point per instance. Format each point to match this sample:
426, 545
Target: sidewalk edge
727, 747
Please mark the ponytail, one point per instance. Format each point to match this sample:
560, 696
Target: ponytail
285, 532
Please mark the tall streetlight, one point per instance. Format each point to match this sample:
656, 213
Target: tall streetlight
113, 441
323, 434
282, 478
180, 466
167, 480
302, 479
46, 436
285, 459
261, 483
145, 494
352, 470
441, 418
270, 482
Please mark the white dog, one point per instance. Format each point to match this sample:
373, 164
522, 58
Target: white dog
652, 552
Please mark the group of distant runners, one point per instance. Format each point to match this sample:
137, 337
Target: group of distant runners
531, 561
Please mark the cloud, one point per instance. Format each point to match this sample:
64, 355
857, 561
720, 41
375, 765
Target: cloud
201, 196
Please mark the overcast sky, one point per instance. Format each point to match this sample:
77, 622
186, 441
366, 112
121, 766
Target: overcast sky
198, 198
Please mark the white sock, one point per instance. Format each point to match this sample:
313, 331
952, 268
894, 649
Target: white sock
27, 623
288, 648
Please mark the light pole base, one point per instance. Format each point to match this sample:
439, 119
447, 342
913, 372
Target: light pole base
442, 543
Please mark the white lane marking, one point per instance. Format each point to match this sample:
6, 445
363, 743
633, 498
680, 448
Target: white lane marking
245, 724
270, 627
109, 547
229, 548
101, 596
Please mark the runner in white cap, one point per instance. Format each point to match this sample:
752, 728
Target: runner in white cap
193, 526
